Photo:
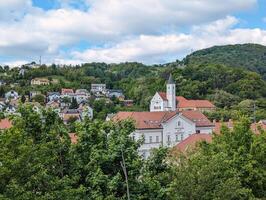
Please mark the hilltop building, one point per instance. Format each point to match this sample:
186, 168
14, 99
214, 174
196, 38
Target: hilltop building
168, 101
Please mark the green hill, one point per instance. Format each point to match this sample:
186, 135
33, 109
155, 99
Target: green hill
249, 56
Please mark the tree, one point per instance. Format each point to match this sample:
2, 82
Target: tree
231, 167
34, 157
39, 98
23, 99
74, 104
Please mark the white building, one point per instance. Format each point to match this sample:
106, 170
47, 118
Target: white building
11, 95
98, 88
162, 101
165, 128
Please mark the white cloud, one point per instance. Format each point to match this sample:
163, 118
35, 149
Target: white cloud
43, 32
144, 30
160, 49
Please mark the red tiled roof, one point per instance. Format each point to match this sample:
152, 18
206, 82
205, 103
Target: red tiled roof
73, 138
191, 141
255, 127
146, 120
185, 103
163, 95
197, 117
66, 91
5, 124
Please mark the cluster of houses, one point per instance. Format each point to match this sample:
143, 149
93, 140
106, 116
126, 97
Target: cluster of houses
62, 102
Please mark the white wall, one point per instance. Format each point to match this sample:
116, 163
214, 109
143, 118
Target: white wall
177, 131
207, 130
157, 101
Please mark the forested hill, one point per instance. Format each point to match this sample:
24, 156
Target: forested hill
249, 56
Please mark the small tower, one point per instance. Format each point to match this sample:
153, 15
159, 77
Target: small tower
170, 94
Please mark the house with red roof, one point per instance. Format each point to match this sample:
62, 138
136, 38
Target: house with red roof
5, 124
164, 101
165, 128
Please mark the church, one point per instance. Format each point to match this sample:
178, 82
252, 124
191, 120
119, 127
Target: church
168, 101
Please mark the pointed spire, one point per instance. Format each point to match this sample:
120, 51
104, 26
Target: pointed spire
170, 80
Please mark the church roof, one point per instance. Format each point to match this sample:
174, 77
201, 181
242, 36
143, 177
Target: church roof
185, 103
146, 120
170, 80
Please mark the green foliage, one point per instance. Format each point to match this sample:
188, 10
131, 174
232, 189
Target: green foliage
249, 56
231, 167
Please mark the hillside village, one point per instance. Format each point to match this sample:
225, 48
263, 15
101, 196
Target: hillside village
171, 121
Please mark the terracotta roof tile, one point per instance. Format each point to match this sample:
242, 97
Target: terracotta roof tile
197, 117
146, 120
185, 103
191, 141
5, 124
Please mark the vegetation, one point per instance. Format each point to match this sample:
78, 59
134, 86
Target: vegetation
248, 56
38, 161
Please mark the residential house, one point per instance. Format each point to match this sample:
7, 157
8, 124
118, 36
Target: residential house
53, 96
165, 128
162, 101
115, 93
53, 104
40, 81
128, 103
5, 124
11, 95
85, 111
69, 114
34, 93
98, 88
81, 95
10, 109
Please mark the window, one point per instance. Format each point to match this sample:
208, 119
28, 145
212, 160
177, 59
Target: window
177, 138
179, 123
133, 137
150, 139
197, 131
168, 139
157, 139
182, 136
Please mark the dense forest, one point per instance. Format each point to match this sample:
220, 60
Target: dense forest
39, 162
248, 56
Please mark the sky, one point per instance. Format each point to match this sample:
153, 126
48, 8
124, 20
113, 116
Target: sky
114, 31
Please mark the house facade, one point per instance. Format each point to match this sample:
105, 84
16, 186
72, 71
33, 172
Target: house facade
98, 88
164, 128
40, 81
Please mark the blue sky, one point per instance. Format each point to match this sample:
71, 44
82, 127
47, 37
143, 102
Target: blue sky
113, 31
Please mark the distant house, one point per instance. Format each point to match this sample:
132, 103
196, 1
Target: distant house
81, 95
128, 103
10, 110
5, 124
86, 111
69, 114
40, 81
2, 82
162, 101
115, 93
165, 128
11, 95
53, 96
53, 104
98, 88
2, 106
34, 93
21, 72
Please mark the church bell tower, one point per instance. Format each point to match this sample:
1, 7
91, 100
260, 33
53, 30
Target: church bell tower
170, 94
